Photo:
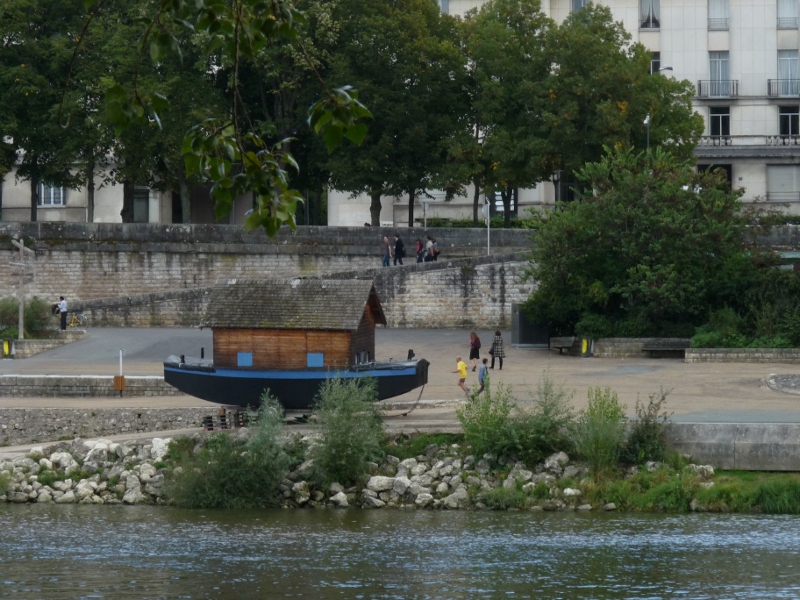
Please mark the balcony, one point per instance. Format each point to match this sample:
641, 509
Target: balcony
718, 88
783, 87
718, 24
787, 22
749, 140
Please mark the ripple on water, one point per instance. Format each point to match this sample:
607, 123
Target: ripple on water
134, 552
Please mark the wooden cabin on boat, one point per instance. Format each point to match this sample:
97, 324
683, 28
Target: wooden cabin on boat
294, 324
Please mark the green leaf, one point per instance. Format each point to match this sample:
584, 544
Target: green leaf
356, 133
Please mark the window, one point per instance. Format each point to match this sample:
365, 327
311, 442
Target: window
650, 14
244, 359
578, 4
720, 121
789, 120
141, 205
655, 62
315, 360
718, 14
787, 14
720, 74
50, 195
787, 73
444, 6
783, 183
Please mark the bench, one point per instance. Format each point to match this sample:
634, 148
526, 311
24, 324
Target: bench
561, 343
667, 346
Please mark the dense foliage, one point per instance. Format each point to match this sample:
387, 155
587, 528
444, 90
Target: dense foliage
652, 250
37, 319
350, 425
599, 431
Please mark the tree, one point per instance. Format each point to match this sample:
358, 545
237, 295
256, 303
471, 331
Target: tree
651, 249
404, 59
38, 39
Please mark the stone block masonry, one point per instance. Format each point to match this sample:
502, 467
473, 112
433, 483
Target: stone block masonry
747, 355
93, 386
101, 260
33, 425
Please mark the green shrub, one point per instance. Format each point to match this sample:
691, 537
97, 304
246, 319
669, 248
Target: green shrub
600, 431
486, 421
49, 477
37, 317
228, 473
726, 495
5, 481
544, 429
351, 427
594, 326
779, 496
673, 495
416, 444
647, 437
501, 498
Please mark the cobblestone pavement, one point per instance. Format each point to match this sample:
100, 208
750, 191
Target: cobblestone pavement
700, 392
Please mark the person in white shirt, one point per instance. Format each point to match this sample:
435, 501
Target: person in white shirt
62, 308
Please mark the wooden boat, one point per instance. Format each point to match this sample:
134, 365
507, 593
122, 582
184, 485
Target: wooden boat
289, 337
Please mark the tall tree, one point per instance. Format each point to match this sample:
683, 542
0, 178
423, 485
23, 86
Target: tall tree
404, 58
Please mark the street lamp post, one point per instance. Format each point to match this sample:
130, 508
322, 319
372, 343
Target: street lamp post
647, 124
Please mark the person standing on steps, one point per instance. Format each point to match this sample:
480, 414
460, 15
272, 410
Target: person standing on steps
62, 309
387, 251
399, 250
482, 374
474, 349
497, 351
461, 369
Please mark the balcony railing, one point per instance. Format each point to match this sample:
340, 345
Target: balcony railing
718, 88
718, 24
787, 22
749, 140
783, 87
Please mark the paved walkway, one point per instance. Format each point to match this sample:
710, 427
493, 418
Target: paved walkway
705, 392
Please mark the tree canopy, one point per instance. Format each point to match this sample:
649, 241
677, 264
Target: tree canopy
653, 248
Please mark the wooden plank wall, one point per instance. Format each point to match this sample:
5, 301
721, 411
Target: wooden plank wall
364, 337
281, 348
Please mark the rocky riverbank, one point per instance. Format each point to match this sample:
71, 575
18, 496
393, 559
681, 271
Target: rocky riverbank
444, 476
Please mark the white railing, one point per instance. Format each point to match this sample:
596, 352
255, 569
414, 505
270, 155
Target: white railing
749, 140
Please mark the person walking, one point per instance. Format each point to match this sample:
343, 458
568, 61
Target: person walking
435, 249
420, 251
482, 374
399, 250
429, 249
62, 309
461, 369
497, 351
387, 251
474, 349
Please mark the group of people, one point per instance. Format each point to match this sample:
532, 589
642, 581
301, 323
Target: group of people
396, 249
497, 352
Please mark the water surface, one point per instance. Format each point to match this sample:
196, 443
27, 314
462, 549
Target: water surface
157, 552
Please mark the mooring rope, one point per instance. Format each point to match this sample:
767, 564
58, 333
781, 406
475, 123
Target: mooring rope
416, 404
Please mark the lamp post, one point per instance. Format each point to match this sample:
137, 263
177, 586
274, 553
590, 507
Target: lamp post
647, 123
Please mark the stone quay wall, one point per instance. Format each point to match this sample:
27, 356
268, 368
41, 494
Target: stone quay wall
27, 348
471, 292
626, 347
92, 386
100, 260
746, 355
20, 426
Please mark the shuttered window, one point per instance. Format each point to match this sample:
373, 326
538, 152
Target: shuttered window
783, 183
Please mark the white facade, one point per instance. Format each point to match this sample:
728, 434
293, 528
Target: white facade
742, 56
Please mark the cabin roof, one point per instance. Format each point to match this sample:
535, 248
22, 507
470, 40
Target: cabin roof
292, 304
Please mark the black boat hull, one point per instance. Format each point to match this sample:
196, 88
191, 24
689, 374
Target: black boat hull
295, 390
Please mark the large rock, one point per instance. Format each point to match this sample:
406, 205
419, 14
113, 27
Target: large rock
146, 472
415, 489
63, 460
160, 448
371, 502
457, 499
423, 500
84, 489
555, 463
44, 497
380, 483
418, 469
301, 491
401, 485
18, 497
67, 498
340, 499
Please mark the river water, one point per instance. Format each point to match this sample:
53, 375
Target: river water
157, 552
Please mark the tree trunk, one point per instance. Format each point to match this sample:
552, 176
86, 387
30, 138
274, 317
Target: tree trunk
127, 202
505, 194
90, 191
186, 197
34, 196
375, 208
411, 196
476, 181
